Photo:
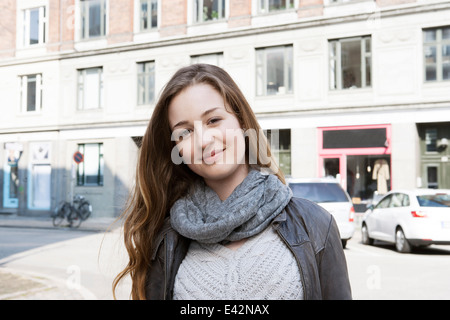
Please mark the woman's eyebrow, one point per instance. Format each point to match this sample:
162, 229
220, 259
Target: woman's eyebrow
183, 122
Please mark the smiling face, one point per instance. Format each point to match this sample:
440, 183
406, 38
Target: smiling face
209, 138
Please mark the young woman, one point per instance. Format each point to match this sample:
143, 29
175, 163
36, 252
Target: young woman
211, 216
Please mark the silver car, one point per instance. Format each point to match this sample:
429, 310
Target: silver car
328, 193
409, 218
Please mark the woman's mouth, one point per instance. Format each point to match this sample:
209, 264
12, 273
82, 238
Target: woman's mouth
211, 157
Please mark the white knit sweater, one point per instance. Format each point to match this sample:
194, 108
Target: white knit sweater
262, 268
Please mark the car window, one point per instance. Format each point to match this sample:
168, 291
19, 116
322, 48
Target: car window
396, 200
405, 200
384, 203
319, 192
434, 200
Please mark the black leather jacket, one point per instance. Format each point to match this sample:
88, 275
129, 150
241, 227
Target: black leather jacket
309, 232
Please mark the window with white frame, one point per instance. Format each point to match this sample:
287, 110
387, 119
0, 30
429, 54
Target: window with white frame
30, 93
34, 26
209, 10
90, 171
90, 88
93, 18
265, 6
280, 146
342, 1
350, 63
146, 82
274, 70
148, 14
211, 58
437, 54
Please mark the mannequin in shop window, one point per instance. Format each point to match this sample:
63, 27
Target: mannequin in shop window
381, 174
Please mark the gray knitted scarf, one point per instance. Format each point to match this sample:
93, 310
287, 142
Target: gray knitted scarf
202, 216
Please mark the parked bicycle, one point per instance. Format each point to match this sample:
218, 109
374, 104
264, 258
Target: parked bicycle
74, 213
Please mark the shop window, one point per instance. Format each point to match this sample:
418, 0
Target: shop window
31, 93
274, 70
209, 10
146, 82
436, 47
280, 146
148, 14
93, 18
432, 177
90, 171
350, 63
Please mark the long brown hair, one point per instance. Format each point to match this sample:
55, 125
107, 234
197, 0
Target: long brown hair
160, 182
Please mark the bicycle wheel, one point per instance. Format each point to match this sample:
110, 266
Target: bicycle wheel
74, 218
85, 210
60, 213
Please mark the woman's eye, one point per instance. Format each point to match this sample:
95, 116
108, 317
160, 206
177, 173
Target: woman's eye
181, 134
213, 120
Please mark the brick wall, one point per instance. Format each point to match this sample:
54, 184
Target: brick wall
120, 21
240, 13
309, 8
384, 3
7, 28
173, 17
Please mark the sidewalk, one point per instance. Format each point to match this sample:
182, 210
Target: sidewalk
43, 273
93, 224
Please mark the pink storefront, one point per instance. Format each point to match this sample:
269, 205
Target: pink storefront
359, 157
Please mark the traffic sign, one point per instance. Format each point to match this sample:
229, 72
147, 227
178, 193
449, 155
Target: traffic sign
78, 157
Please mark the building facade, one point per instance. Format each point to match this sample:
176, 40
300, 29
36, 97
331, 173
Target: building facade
359, 90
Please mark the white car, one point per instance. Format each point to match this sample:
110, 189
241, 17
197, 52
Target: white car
409, 218
328, 193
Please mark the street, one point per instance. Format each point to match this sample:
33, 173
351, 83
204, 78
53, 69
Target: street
85, 261
91, 260
379, 272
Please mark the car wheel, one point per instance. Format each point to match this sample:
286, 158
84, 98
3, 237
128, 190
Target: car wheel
344, 243
401, 243
365, 235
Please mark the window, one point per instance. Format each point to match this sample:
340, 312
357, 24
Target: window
431, 139
265, 6
432, 177
280, 146
90, 171
34, 26
90, 88
213, 58
93, 18
146, 82
274, 70
342, 1
436, 49
31, 93
350, 63
148, 14
384, 203
208, 10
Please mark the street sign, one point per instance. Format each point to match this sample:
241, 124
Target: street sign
78, 157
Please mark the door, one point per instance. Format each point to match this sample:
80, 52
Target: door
378, 222
39, 176
334, 166
39, 197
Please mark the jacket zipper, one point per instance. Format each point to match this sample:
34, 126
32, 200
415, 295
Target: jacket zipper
166, 272
296, 259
